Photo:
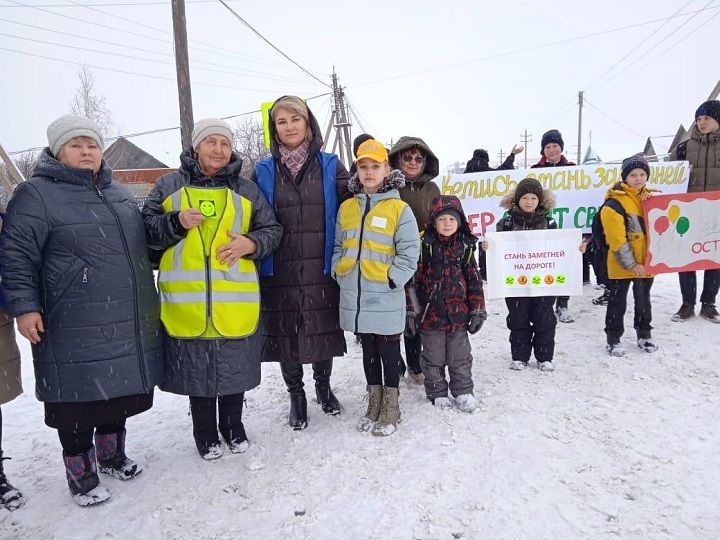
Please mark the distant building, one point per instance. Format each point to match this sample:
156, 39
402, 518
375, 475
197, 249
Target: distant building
591, 158
134, 168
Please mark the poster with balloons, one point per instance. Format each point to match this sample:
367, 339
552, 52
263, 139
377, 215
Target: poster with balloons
683, 232
534, 263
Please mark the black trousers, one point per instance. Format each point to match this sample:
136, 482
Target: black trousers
292, 373
532, 323
381, 356
225, 410
617, 304
688, 287
77, 442
413, 348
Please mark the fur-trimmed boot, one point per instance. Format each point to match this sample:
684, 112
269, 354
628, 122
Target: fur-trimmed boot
389, 413
82, 478
375, 398
110, 448
10, 497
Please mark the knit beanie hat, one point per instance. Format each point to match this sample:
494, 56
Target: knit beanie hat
359, 140
70, 126
637, 161
450, 212
552, 136
529, 185
709, 108
210, 126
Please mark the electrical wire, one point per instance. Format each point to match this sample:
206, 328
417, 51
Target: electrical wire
248, 25
613, 120
122, 4
528, 49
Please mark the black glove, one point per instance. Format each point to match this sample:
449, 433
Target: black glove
477, 318
410, 325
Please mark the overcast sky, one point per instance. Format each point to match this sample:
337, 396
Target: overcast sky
461, 75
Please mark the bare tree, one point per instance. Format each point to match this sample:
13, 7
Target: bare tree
86, 102
25, 163
250, 144
4, 181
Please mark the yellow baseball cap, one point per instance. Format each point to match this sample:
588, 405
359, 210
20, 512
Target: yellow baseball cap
372, 149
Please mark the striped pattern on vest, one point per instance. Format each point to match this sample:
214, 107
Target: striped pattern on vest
199, 296
376, 232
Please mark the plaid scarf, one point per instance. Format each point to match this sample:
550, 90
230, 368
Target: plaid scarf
294, 159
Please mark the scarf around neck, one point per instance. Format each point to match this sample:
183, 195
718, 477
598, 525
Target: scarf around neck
294, 159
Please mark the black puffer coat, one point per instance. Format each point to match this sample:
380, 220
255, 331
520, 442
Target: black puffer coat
299, 301
74, 250
210, 367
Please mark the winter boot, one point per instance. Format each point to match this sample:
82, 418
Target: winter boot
10, 497
685, 312
110, 448
546, 366
389, 413
603, 299
375, 398
615, 349
518, 365
230, 411
709, 312
325, 397
443, 403
647, 345
466, 403
563, 314
82, 478
298, 418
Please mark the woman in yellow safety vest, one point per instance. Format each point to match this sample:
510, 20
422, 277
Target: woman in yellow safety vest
211, 225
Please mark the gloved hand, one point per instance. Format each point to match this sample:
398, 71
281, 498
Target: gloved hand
477, 318
411, 328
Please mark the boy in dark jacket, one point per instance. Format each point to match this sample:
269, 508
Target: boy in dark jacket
531, 320
449, 289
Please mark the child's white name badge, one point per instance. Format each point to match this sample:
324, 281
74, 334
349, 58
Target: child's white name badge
379, 222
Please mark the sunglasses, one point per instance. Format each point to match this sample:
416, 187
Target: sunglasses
407, 158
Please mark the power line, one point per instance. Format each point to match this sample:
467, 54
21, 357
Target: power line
110, 4
248, 25
161, 130
613, 120
86, 49
529, 49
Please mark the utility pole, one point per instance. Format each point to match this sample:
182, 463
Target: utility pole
340, 119
502, 156
580, 103
526, 138
182, 67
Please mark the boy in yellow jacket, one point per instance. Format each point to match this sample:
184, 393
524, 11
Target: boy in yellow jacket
627, 243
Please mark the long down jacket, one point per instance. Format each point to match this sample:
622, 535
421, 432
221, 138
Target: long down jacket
74, 250
420, 191
300, 301
371, 307
703, 153
210, 367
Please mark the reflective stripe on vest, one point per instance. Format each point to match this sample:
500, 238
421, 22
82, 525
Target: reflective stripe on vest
196, 290
378, 238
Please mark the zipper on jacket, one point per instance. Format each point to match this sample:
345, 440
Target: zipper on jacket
360, 239
85, 278
133, 277
707, 154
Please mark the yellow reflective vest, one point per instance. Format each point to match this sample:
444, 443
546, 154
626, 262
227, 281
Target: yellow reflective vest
375, 234
199, 296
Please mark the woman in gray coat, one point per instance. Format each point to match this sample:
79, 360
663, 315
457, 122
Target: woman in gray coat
76, 275
211, 225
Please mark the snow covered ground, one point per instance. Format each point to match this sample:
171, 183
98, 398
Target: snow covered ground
602, 447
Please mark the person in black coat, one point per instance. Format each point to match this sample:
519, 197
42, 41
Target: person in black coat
480, 161
300, 300
76, 275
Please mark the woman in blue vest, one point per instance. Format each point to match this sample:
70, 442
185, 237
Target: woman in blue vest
211, 225
300, 299
76, 275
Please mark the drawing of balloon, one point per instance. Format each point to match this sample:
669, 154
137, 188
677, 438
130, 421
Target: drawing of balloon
662, 224
682, 226
674, 212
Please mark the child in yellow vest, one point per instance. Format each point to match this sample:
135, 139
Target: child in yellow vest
376, 252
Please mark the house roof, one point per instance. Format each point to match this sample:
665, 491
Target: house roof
122, 154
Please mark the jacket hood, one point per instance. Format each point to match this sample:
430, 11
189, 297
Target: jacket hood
449, 202
432, 165
190, 166
394, 180
48, 165
316, 143
697, 136
508, 201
